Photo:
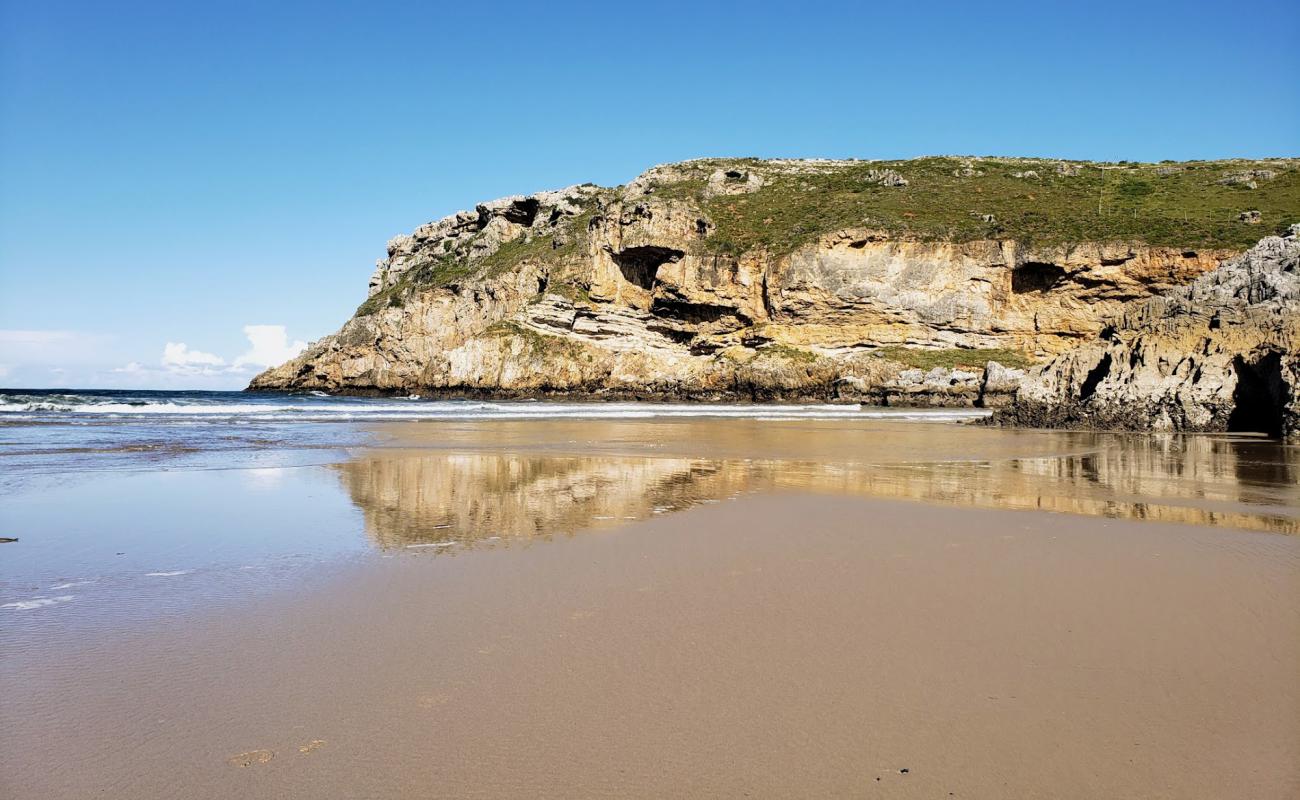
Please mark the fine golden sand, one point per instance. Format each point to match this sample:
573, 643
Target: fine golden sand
670, 612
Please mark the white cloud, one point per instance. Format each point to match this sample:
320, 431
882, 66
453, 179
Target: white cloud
78, 358
179, 355
270, 346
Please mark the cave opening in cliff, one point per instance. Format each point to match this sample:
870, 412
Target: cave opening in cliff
639, 264
522, 212
1035, 276
695, 313
1094, 378
1259, 400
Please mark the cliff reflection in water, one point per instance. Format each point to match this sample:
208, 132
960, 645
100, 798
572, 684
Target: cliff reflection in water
447, 499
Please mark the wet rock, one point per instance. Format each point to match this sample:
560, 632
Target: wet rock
999, 385
939, 387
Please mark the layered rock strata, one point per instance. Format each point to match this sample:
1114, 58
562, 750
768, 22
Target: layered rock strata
635, 292
1221, 354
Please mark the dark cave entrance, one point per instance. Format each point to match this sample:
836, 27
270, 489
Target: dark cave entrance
1035, 276
522, 212
1094, 378
639, 264
1260, 396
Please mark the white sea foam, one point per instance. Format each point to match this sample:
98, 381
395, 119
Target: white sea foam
38, 602
171, 574
320, 408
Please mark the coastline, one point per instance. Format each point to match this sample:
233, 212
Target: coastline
561, 606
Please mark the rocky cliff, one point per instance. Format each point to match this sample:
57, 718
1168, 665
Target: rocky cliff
1220, 354
882, 282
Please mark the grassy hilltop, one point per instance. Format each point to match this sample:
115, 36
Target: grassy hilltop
1042, 202
1189, 204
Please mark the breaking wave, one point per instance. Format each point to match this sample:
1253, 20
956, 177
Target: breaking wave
319, 407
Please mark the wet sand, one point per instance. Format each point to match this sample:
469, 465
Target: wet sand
538, 615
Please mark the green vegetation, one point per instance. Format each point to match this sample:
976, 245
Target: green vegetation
538, 343
440, 271
950, 198
776, 350
573, 292
450, 266
954, 358
1184, 206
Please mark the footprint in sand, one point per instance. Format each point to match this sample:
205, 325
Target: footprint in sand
250, 758
314, 744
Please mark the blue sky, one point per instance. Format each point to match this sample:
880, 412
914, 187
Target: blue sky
173, 173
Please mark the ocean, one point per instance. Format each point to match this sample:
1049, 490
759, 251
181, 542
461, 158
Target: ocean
67, 430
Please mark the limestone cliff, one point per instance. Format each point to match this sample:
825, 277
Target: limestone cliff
751, 279
1220, 354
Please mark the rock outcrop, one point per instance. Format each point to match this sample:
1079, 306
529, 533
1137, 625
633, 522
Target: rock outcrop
1221, 354
748, 279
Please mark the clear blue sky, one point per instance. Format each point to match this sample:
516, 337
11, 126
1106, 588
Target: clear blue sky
171, 172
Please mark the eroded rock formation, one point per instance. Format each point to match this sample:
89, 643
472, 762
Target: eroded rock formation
1221, 354
738, 280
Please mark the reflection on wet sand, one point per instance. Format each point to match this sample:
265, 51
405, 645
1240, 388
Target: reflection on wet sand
502, 492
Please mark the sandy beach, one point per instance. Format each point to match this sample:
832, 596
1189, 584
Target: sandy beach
640, 609
403, 401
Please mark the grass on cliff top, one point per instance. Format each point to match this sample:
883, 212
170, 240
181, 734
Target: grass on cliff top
447, 269
954, 358
1177, 205
1171, 205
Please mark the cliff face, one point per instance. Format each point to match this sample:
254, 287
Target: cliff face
1220, 354
756, 280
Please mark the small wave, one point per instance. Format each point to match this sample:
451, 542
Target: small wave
180, 408
38, 602
171, 574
